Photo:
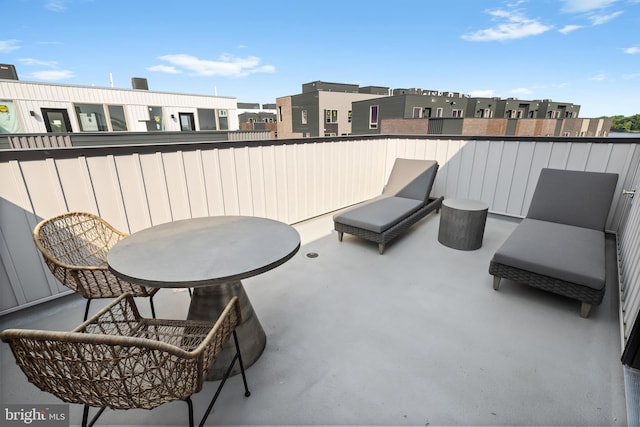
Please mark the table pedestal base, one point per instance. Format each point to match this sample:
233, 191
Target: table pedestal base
207, 303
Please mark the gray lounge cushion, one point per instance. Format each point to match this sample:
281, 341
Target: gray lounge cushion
575, 198
561, 251
411, 179
380, 213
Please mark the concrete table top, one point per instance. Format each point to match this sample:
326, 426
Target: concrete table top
203, 251
465, 204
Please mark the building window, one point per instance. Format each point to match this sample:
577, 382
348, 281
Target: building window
304, 117
223, 120
349, 116
331, 116
456, 113
280, 113
439, 112
373, 117
155, 119
417, 113
206, 119
117, 118
91, 117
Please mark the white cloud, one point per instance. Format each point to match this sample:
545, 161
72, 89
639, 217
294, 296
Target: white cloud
517, 26
31, 61
579, 6
56, 5
164, 69
631, 76
482, 93
569, 28
226, 65
521, 91
602, 19
632, 50
598, 77
52, 75
7, 46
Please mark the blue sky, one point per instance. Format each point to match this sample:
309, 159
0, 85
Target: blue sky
582, 51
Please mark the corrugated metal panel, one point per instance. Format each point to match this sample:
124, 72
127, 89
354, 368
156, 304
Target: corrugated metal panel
629, 256
509, 170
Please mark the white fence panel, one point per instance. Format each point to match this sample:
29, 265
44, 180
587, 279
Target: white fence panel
134, 187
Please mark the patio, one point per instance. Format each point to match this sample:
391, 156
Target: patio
416, 336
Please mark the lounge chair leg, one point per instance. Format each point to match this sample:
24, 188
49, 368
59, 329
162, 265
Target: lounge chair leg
381, 248
585, 309
496, 283
340, 233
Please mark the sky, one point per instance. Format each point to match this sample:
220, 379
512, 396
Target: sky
585, 52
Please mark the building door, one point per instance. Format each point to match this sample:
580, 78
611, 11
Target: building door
56, 120
187, 121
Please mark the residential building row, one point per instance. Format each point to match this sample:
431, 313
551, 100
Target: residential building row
337, 109
321, 109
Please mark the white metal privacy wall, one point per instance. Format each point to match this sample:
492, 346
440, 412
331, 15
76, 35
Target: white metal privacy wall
629, 256
136, 186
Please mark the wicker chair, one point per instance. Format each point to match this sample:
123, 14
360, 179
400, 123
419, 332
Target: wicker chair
120, 360
74, 246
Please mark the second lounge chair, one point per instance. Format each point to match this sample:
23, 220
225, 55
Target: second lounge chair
404, 201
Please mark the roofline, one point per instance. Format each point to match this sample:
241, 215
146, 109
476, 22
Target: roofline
112, 88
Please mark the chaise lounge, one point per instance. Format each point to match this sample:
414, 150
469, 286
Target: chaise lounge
404, 201
560, 245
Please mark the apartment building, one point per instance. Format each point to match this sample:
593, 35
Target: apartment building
322, 109
417, 111
31, 107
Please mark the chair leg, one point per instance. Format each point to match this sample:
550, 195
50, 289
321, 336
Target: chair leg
190, 405
85, 416
340, 234
86, 309
247, 393
585, 309
237, 357
496, 282
153, 309
381, 248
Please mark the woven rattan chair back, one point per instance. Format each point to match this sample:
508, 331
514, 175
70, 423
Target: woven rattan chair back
120, 360
74, 246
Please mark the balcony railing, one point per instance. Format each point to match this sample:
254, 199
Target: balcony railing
137, 186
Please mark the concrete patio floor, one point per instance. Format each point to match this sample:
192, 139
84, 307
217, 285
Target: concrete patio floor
416, 336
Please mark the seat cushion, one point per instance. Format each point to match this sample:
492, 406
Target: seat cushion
378, 214
564, 252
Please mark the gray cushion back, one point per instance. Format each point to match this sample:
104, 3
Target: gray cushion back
411, 179
578, 198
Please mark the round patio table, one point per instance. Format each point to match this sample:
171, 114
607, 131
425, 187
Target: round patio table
210, 255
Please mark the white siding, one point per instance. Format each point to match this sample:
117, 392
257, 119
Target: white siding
29, 96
